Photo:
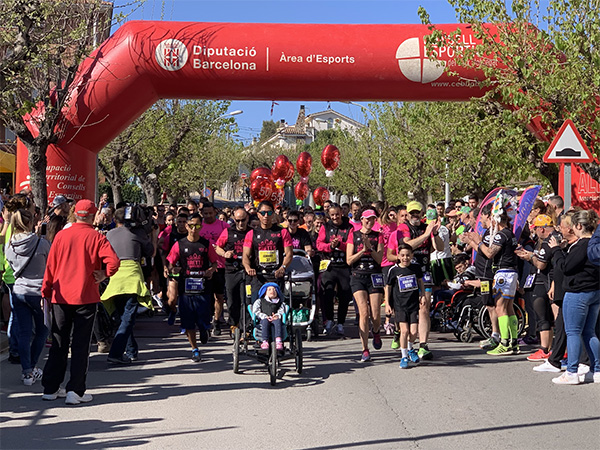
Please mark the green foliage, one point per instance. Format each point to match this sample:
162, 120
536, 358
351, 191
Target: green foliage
538, 62
132, 193
269, 128
176, 146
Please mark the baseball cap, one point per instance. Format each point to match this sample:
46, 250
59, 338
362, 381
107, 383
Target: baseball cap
465, 210
414, 206
59, 200
431, 215
451, 213
542, 220
367, 214
83, 208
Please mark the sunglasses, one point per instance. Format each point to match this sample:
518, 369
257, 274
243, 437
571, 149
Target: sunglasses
293, 220
241, 220
266, 213
195, 227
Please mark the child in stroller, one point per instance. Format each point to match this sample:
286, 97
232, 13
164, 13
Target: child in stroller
269, 309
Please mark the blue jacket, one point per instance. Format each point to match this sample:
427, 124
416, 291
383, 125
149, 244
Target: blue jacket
593, 249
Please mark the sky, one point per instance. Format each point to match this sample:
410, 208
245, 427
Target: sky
288, 11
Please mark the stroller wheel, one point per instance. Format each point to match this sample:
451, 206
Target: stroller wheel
466, 336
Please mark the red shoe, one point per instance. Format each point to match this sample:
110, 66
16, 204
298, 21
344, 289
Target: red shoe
540, 355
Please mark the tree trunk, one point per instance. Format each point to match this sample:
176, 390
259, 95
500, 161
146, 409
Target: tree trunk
37, 162
151, 188
117, 192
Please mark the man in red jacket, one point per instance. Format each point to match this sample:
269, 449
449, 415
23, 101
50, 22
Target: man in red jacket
74, 269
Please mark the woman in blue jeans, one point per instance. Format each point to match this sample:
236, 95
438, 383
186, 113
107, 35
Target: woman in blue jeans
27, 254
581, 303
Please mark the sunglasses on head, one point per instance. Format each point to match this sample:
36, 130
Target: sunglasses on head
266, 213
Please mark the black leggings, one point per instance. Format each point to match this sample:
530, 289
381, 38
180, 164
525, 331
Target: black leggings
541, 307
330, 279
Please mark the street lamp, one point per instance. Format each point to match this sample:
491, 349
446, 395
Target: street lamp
379, 145
226, 115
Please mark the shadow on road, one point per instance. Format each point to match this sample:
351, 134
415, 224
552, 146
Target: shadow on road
364, 444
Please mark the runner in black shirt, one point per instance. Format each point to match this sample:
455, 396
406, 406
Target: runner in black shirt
538, 283
364, 253
230, 246
300, 237
502, 252
406, 281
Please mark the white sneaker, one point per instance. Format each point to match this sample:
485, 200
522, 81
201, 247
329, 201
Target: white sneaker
567, 378
339, 329
583, 369
28, 379
74, 399
37, 373
589, 377
61, 393
546, 367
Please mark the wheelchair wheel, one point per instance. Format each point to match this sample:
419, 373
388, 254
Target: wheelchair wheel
466, 336
298, 353
484, 324
273, 364
236, 350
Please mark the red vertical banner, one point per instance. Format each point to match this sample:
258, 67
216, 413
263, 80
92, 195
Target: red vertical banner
71, 175
585, 191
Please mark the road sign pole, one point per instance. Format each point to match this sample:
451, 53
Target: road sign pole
567, 186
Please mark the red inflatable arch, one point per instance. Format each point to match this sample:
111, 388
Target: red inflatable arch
145, 61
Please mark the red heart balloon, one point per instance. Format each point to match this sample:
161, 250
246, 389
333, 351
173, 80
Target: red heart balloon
280, 167
261, 172
304, 164
330, 157
301, 191
320, 195
261, 189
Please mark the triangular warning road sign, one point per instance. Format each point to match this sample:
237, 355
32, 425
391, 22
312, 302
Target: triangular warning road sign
568, 146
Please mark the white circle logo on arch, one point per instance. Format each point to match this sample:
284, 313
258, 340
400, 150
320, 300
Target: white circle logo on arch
415, 65
171, 54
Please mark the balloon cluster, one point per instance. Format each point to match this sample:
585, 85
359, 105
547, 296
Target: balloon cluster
268, 184
304, 167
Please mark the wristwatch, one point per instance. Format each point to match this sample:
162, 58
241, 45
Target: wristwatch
284, 266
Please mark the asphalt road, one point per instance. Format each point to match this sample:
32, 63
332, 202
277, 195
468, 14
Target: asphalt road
463, 399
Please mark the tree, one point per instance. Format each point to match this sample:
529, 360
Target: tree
269, 128
174, 147
542, 65
42, 44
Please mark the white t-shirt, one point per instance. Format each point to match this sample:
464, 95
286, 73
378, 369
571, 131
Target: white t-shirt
444, 235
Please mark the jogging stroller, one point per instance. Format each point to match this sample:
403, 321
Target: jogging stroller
299, 287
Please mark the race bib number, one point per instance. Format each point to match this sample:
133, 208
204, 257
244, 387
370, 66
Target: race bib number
408, 283
485, 287
427, 278
248, 290
324, 265
529, 281
194, 285
377, 280
267, 257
